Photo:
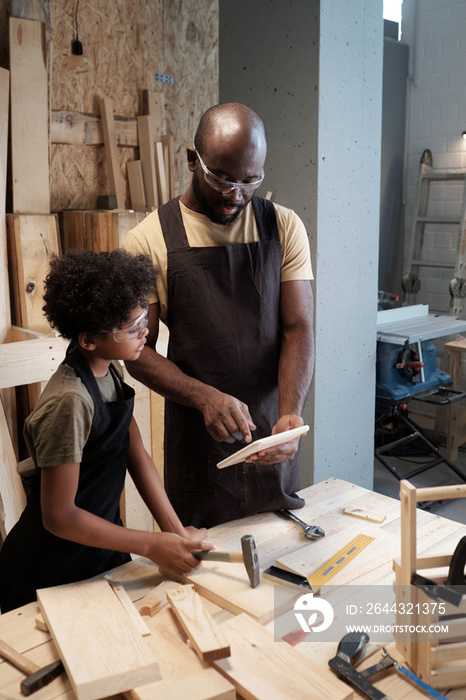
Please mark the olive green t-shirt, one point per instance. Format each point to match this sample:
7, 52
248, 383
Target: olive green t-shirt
58, 428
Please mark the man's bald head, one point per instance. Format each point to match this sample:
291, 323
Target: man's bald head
229, 123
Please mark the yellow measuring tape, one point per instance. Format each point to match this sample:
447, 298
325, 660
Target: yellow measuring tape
337, 562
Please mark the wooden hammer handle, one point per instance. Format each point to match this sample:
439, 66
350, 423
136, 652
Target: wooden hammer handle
20, 661
215, 555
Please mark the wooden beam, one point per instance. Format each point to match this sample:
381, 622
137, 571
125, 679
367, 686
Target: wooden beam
162, 182
169, 144
30, 361
84, 129
147, 157
115, 177
204, 634
29, 117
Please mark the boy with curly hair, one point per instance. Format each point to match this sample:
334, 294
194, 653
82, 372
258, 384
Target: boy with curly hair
82, 438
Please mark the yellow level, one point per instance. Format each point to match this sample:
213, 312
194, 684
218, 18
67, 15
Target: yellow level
337, 562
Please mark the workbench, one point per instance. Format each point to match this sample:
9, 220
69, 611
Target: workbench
183, 673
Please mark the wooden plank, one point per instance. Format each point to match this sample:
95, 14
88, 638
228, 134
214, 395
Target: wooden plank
227, 585
136, 185
204, 634
12, 496
262, 669
85, 129
5, 316
29, 117
33, 240
147, 157
368, 566
30, 361
170, 168
101, 650
151, 104
115, 177
128, 605
183, 674
162, 182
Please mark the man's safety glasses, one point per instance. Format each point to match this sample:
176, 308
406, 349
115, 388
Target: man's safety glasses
134, 331
225, 186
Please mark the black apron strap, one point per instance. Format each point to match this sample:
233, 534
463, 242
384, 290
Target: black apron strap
266, 219
171, 221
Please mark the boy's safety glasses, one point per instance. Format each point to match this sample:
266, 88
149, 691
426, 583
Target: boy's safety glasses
133, 331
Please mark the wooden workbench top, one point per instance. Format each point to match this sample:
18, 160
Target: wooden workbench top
276, 539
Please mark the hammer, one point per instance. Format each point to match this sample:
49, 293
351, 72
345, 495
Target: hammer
248, 557
37, 677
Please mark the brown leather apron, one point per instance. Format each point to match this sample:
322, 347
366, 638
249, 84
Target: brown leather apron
224, 322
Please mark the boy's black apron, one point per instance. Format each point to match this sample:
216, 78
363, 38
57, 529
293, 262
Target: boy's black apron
224, 321
31, 556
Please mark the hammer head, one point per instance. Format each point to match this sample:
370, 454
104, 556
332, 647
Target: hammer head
251, 559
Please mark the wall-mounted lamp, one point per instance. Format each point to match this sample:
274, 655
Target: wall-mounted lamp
464, 135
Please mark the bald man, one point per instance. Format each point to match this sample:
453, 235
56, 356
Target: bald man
234, 290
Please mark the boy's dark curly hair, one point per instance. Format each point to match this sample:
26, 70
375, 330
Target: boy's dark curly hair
96, 292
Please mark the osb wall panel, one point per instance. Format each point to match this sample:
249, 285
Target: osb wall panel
124, 45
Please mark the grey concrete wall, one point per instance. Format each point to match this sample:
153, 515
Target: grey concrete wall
313, 71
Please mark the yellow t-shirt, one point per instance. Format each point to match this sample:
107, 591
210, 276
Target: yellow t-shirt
147, 238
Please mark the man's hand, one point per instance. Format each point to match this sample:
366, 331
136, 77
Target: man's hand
279, 453
225, 415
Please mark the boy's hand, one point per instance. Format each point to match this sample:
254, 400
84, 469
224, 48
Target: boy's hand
174, 552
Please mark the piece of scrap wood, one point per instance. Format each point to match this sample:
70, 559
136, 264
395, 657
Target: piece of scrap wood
204, 634
365, 514
129, 607
262, 669
156, 599
115, 177
40, 623
136, 185
33, 239
102, 651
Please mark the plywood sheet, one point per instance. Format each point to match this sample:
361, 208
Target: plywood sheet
100, 648
29, 117
263, 669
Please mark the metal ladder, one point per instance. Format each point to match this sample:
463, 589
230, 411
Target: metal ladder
411, 282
